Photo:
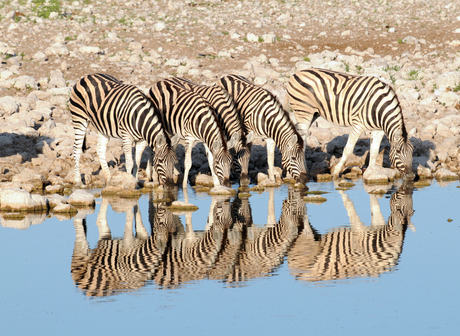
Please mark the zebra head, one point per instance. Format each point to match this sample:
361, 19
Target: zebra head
242, 154
222, 162
164, 160
401, 153
293, 159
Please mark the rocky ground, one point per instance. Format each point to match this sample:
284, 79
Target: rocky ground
46, 46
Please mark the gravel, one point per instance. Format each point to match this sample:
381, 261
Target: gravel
44, 50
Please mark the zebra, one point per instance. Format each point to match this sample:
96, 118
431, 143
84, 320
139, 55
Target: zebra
188, 116
230, 120
264, 115
362, 102
121, 111
354, 251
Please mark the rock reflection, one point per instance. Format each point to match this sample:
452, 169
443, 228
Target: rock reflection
354, 251
231, 248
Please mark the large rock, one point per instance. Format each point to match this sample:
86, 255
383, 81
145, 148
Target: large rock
9, 105
445, 174
16, 199
82, 198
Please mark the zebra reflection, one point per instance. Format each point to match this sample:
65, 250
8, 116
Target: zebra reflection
356, 251
114, 265
264, 248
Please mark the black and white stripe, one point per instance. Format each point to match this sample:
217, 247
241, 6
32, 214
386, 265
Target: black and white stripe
263, 114
230, 120
354, 251
361, 102
121, 111
187, 115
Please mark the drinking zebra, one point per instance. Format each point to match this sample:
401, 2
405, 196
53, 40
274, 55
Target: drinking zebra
187, 115
263, 114
120, 111
230, 120
362, 102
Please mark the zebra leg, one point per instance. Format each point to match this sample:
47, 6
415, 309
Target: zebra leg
187, 163
271, 158
80, 134
352, 139
377, 137
128, 150
215, 179
140, 146
102, 142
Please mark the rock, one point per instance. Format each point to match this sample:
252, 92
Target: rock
314, 199
445, 174
410, 40
378, 175
55, 199
252, 37
82, 198
89, 50
64, 208
123, 180
21, 200
25, 83
58, 49
182, 206
57, 79
8, 105
37, 180
222, 190
424, 172
204, 180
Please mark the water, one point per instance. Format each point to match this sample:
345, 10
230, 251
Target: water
324, 269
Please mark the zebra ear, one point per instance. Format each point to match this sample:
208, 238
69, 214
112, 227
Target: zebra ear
397, 134
233, 140
217, 144
160, 140
249, 137
175, 140
293, 140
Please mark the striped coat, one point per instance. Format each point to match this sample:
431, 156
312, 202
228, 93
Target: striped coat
361, 102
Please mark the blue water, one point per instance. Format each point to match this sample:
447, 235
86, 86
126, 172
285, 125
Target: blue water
419, 295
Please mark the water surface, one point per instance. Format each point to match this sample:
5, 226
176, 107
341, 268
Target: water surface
271, 264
